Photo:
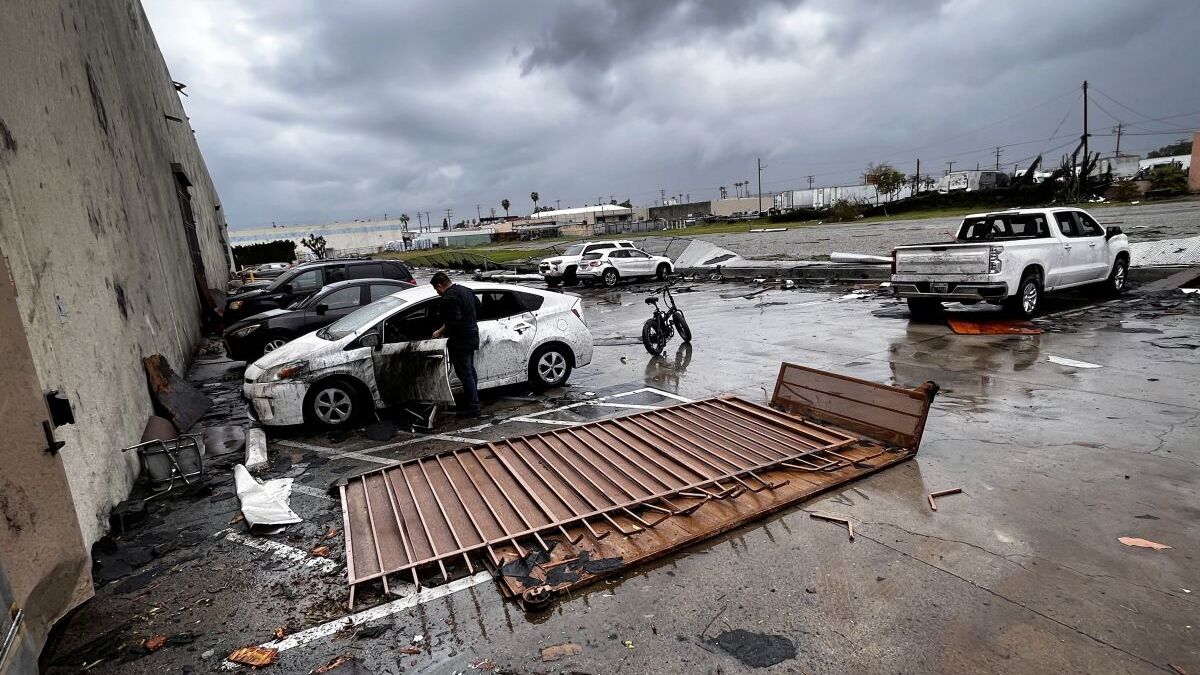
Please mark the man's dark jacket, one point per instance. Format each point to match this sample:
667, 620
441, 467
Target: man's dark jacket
460, 309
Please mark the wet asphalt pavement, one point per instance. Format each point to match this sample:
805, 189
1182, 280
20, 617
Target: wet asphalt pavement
1022, 573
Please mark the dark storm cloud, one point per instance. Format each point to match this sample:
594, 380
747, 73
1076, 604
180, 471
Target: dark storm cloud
311, 111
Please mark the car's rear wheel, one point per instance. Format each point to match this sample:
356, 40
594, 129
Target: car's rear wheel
1028, 299
610, 277
275, 341
332, 404
550, 366
1118, 278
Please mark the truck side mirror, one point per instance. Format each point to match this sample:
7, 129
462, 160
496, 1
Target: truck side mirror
1111, 232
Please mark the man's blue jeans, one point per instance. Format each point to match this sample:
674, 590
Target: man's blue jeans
463, 361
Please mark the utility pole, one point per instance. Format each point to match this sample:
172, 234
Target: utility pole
810, 178
449, 215
419, 228
662, 197
428, 222
951, 167
477, 214
1084, 138
917, 184
760, 168
1120, 127
997, 158
557, 204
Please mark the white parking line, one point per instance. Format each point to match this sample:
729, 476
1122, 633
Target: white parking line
331, 452
282, 550
378, 612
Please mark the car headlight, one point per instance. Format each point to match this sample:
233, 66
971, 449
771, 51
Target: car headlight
235, 305
243, 332
284, 371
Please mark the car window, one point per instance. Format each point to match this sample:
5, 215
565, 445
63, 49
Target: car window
395, 270
343, 298
1087, 226
530, 301
619, 254
627, 244
417, 323
383, 290
335, 273
593, 256
634, 253
1001, 227
365, 270
497, 305
1066, 223
599, 247
574, 249
361, 318
307, 281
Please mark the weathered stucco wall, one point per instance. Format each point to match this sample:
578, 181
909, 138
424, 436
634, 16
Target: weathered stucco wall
91, 224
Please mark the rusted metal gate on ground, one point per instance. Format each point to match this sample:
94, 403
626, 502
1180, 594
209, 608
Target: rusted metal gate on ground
544, 504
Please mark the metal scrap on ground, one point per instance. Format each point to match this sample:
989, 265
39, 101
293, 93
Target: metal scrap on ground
1142, 543
941, 493
538, 510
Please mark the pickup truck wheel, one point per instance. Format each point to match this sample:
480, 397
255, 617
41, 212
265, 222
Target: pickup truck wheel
1028, 299
924, 307
1118, 277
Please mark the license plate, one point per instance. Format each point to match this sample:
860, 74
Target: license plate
939, 288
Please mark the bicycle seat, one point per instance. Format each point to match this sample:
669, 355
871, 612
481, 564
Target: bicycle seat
651, 300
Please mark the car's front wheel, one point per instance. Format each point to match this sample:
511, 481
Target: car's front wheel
1118, 278
550, 366
332, 404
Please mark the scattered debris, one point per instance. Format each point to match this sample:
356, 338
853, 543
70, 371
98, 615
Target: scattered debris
486, 665
155, 643
254, 656
256, 449
1177, 669
335, 663
860, 258
319, 551
556, 652
1142, 543
1071, 363
941, 493
835, 519
182, 402
756, 650
992, 326
264, 504
629, 644
411, 651
281, 632
372, 632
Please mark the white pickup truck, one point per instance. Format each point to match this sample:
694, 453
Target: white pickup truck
1011, 258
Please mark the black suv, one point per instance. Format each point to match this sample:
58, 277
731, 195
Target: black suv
307, 278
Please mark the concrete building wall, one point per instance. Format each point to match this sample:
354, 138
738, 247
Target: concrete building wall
1194, 176
728, 207
90, 221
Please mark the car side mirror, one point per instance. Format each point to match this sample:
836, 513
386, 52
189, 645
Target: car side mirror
286, 288
370, 340
1111, 232
322, 308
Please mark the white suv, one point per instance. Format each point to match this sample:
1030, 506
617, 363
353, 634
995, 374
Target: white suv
562, 269
612, 265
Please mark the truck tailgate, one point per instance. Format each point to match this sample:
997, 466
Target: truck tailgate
949, 259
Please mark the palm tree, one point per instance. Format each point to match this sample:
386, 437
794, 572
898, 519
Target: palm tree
534, 197
404, 221
505, 203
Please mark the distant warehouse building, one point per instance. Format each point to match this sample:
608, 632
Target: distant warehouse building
819, 198
359, 234
601, 213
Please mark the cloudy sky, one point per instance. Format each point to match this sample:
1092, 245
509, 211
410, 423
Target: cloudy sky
312, 111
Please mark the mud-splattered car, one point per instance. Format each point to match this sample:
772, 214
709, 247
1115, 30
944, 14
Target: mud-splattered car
383, 353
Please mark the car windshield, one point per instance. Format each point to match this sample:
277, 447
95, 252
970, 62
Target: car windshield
574, 249
1000, 227
361, 318
593, 256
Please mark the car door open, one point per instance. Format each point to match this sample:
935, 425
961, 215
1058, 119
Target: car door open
409, 366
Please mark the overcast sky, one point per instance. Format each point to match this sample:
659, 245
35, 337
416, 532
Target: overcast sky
310, 111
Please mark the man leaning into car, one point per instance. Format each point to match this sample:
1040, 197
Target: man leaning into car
460, 309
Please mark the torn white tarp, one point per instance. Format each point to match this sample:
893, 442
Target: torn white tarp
264, 504
1071, 363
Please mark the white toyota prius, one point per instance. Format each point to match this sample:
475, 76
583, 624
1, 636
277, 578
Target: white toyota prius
383, 353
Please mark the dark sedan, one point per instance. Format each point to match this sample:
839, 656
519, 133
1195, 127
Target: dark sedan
304, 279
250, 338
